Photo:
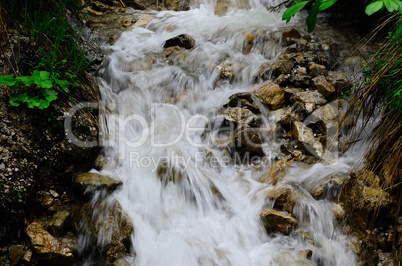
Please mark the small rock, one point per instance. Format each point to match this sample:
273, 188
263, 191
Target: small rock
16, 252
92, 181
143, 21
306, 253
265, 71
54, 194
277, 220
313, 97
46, 247
243, 100
59, 220
270, 94
292, 33
27, 256
283, 195
115, 252
340, 81
247, 140
339, 212
282, 67
240, 115
276, 171
305, 138
316, 69
183, 40
225, 69
323, 86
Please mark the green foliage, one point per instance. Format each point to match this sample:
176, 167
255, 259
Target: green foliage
320, 5
62, 60
49, 84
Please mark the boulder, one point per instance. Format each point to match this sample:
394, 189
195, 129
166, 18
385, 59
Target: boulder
104, 222
270, 94
323, 86
46, 247
305, 139
183, 40
283, 196
276, 220
240, 115
89, 182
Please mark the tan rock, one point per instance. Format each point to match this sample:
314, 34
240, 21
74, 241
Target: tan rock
305, 139
143, 21
93, 181
240, 115
339, 212
277, 220
46, 247
284, 197
271, 94
323, 86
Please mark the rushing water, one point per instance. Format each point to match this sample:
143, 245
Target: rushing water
185, 209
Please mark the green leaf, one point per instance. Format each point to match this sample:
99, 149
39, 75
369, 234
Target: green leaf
391, 5
311, 20
42, 78
8, 80
327, 4
33, 102
374, 7
291, 11
27, 80
43, 104
49, 94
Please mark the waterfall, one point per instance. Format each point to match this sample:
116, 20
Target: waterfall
185, 209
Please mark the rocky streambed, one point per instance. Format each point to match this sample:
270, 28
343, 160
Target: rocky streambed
275, 127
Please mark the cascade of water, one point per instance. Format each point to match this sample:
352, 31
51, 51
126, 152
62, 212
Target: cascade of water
186, 210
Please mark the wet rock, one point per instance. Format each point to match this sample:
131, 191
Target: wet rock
225, 69
300, 80
291, 148
103, 223
126, 22
340, 81
292, 33
243, 100
265, 71
282, 78
326, 119
339, 212
16, 253
121, 262
295, 113
357, 61
72, 241
316, 69
313, 97
306, 253
59, 220
46, 247
305, 139
183, 40
240, 115
115, 252
276, 171
27, 256
247, 140
143, 21
363, 195
276, 220
284, 197
328, 187
297, 58
282, 67
170, 50
270, 94
323, 86
89, 182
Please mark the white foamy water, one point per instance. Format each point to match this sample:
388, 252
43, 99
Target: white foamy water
195, 211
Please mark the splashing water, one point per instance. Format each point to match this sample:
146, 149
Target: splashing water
185, 209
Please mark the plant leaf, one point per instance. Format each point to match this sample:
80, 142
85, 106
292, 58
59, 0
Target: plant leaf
43, 104
327, 4
49, 94
391, 5
27, 80
311, 20
33, 102
374, 7
8, 80
291, 11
